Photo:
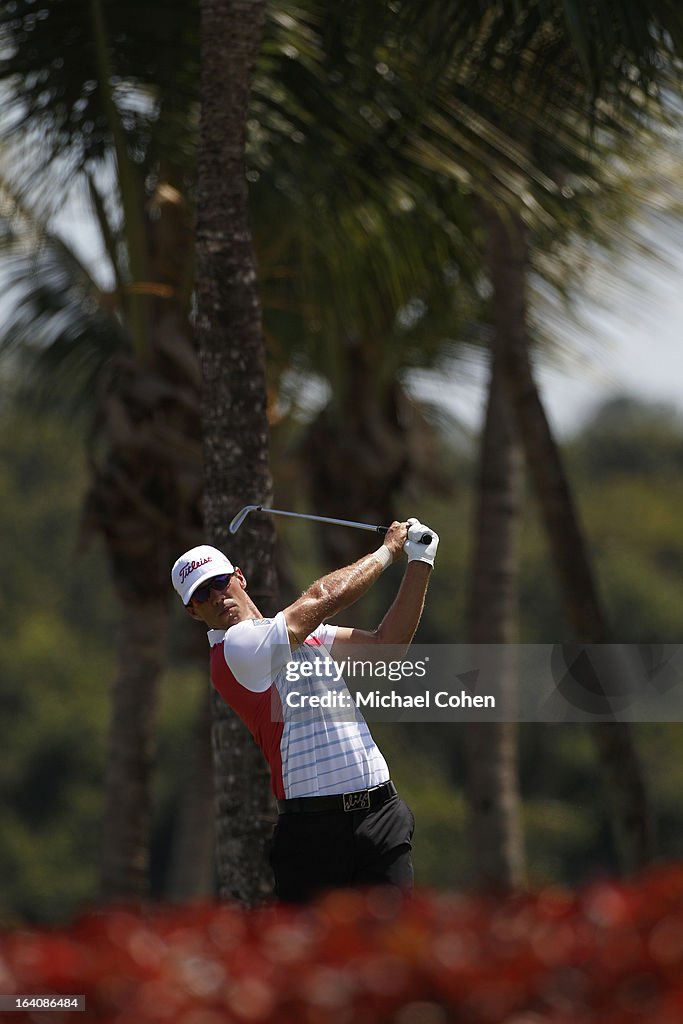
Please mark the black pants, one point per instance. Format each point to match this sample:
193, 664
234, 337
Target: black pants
318, 850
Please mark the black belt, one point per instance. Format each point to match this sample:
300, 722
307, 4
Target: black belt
362, 800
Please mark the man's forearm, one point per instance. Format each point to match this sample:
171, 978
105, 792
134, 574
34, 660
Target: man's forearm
331, 594
403, 617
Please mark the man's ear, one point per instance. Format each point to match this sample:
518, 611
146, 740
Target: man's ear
192, 612
241, 579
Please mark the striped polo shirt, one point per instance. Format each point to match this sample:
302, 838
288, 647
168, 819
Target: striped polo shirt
311, 751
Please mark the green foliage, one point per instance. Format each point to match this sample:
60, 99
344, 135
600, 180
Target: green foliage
630, 459
440, 853
54, 668
626, 437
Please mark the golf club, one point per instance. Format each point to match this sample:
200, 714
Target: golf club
243, 513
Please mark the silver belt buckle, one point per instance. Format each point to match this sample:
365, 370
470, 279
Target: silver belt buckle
357, 801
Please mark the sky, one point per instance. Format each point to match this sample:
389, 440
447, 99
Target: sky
638, 350
631, 343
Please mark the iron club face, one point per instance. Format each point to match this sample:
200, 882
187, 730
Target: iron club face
241, 516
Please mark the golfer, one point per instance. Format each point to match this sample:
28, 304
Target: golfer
341, 821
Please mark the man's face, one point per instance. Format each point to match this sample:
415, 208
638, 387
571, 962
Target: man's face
225, 601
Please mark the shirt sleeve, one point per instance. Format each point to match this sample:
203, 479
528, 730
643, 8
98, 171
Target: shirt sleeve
256, 650
325, 634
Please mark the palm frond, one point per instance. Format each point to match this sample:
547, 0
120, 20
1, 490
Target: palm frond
56, 334
52, 89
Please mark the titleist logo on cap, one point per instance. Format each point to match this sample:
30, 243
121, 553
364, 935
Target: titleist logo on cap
189, 567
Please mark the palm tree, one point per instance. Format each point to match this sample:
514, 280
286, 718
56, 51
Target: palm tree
622, 777
492, 786
127, 351
368, 296
509, 243
235, 423
127, 121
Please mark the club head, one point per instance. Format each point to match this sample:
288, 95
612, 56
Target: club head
241, 516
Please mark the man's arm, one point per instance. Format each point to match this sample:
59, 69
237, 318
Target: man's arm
400, 622
341, 588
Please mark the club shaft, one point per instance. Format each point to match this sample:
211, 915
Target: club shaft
325, 519
424, 539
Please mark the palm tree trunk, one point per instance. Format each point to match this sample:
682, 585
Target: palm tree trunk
234, 408
491, 748
358, 460
625, 789
126, 827
129, 189
363, 448
144, 500
191, 873
244, 810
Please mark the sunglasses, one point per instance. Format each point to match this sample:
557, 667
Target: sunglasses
202, 593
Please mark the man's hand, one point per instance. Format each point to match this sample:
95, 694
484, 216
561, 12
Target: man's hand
413, 547
395, 539
343, 587
400, 622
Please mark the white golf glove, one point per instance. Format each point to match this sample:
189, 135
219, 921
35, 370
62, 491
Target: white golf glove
415, 548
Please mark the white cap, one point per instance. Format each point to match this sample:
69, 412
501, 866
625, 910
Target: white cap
195, 567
